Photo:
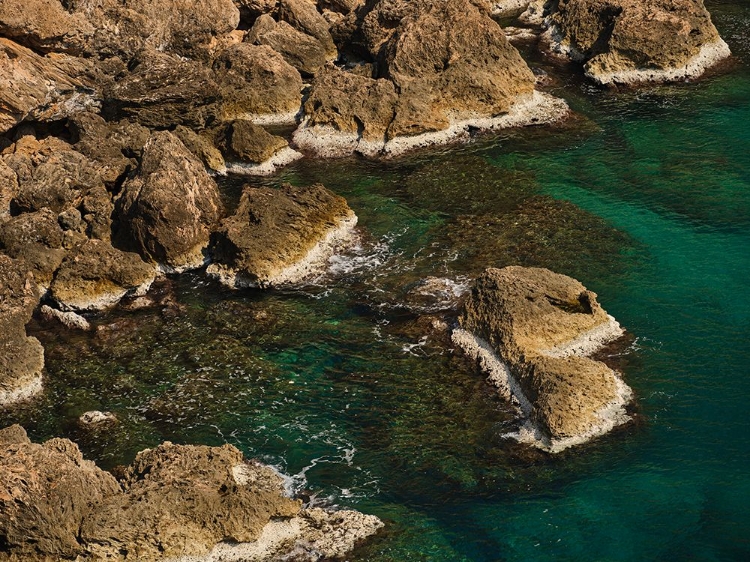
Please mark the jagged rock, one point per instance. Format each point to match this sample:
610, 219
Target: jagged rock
173, 501
256, 82
167, 209
69, 319
302, 51
8, 188
113, 147
21, 357
251, 150
45, 493
531, 330
250, 10
304, 16
447, 79
507, 8
346, 113
96, 418
188, 28
162, 90
628, 41
39, 88
279, 235
95, 276
44, 25
202, 147
38, 239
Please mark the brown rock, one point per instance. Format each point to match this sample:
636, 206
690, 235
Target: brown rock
542, 325
95, 276
202, 147
255, 79
8, 188
45, 493
302, 51
36, 238
21, 357
242, 140
44, 25
181, 500
350, 103
168, 208
162, 90
36, 87
304, 16
630, 41
279, 235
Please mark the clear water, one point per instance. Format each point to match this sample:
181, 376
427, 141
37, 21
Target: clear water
645, 198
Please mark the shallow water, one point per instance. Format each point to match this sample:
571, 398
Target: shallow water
645, 198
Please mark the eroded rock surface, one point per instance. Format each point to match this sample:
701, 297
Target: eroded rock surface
629, 41
168, 208
532, 330
279, 235
192, 502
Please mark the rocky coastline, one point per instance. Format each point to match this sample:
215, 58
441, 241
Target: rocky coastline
116, 120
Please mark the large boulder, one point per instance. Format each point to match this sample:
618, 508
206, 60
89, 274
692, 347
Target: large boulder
166, 211
532, 331
251, 150
302, 51
162, 90
447, 79
95, 276
279, 236
173, 501
304, 16
257, 83
21, 357
45, 493
629, 41
38, 88
44, 25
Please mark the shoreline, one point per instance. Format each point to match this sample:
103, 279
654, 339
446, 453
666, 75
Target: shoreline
268, 167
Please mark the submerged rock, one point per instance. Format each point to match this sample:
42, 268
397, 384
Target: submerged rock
168, 208
532, 330
173, 501
629, 41
279, 235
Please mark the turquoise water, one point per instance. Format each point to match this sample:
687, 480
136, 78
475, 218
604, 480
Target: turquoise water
645, 198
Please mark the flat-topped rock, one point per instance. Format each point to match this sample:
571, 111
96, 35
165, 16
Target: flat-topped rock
630, 41
532, 330
280, 235
186, 502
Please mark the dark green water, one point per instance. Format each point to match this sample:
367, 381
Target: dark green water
645, 199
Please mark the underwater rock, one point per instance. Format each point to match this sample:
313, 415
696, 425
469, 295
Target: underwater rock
280, 235
172, 501
532, 330
21, 357
629, 41
96, 418
168, 208
95, 276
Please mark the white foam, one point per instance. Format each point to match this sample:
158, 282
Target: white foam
280, 159
287, 118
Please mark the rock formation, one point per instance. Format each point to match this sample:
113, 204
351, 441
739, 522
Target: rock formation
251, 150
21, 357
169, 207
279, 235
629, 41
531, 330
445, 79
174, 501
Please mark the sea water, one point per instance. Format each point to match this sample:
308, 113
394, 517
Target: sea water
349, 387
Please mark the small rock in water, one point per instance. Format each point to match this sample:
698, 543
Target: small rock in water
95, 417
68, 319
